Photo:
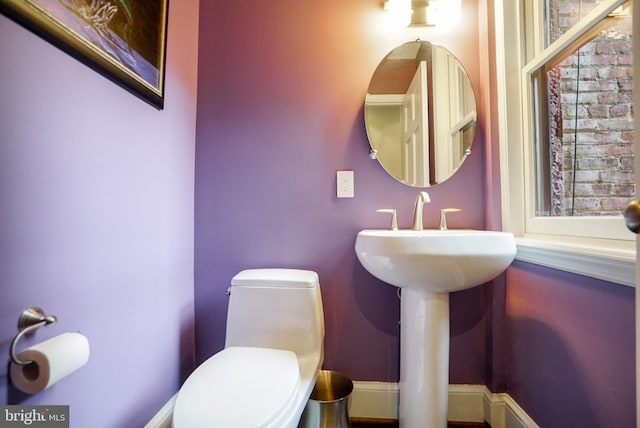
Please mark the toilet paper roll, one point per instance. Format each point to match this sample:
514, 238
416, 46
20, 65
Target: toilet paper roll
52, 359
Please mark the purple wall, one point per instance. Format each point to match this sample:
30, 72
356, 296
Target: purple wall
96, 225
571, 348
280, 109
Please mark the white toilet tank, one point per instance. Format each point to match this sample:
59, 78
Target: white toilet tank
274, 344
276, 308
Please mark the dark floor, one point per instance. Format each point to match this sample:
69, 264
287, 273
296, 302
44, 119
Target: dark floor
394, 424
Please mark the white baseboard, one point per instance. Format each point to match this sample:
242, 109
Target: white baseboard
374, 400
379, 400
162, 419
506, 413
467, 403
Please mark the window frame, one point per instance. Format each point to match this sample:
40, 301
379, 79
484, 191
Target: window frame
599, 247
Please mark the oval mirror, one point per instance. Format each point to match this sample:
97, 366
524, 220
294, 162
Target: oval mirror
420, 114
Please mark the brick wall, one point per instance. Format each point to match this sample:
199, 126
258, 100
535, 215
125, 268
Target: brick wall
592, 152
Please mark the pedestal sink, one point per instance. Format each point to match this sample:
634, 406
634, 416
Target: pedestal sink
428, 265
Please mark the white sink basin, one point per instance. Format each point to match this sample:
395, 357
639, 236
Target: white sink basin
435, 261
430, 264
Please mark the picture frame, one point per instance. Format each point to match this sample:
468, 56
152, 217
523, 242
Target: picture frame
124, 40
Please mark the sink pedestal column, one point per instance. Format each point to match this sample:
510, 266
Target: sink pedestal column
424, 359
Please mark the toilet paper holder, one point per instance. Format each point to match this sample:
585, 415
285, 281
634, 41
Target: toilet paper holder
30, 320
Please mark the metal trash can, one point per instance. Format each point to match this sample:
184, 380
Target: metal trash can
328, 404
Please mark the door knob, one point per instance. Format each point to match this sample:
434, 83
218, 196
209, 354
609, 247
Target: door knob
632, 216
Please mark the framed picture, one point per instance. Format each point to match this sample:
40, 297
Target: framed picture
125, 40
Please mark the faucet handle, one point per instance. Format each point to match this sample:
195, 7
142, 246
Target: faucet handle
394, 217
443, 216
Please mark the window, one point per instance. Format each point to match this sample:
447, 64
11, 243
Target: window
568, 81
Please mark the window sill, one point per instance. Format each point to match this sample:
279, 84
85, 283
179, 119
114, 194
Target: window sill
608, 260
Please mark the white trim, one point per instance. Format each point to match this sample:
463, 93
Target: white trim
605, 227
509, 20
475, 403
506, 413
467, 403
614, 263
374, 400
586, 23
384, 99
606, 259
162, 419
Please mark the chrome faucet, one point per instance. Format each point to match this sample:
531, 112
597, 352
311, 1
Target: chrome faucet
423, 198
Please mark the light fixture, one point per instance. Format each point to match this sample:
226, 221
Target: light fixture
426, 12
423, 12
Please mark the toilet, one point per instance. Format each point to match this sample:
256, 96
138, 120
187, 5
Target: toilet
274, 349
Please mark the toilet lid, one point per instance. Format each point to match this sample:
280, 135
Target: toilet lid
289, 278
238, 387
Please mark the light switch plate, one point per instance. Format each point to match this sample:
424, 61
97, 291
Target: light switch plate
344, 180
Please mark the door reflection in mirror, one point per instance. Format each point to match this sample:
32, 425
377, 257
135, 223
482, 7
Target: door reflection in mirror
420, 114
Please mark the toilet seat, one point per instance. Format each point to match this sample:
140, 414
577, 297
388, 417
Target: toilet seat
238, 387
